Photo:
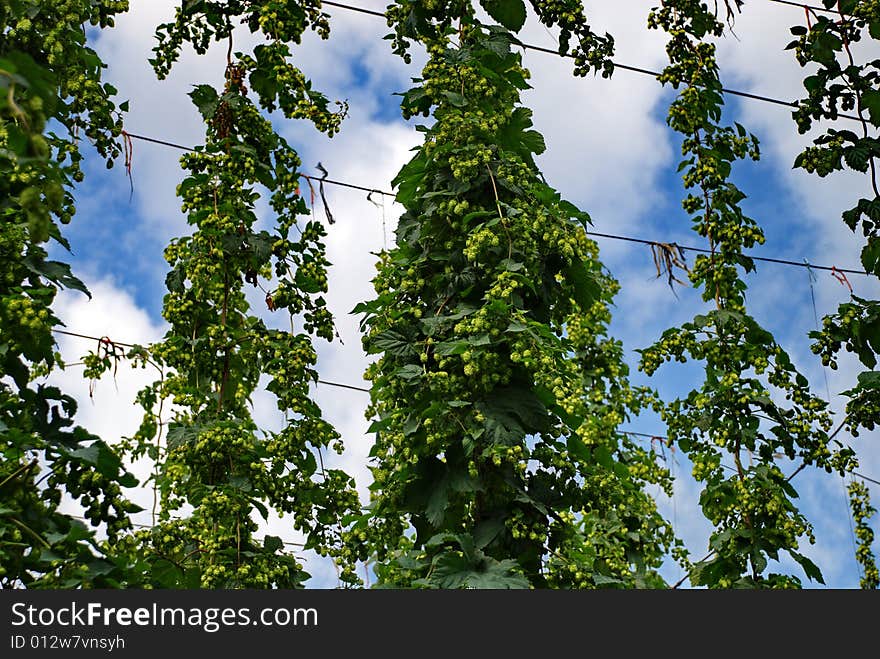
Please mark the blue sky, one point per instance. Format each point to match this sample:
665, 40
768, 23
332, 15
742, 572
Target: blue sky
609, 151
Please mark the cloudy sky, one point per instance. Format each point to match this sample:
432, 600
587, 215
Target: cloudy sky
609, 151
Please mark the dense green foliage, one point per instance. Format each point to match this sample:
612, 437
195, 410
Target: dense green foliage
48, 73
737, 412
497, 394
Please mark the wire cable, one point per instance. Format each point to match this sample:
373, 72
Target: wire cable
352, 387
767, 259
799, 5
92, 338
625, 67
182, 147
598, 234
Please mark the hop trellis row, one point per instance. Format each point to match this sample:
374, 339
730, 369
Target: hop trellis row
497, 393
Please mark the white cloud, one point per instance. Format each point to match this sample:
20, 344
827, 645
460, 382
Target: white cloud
607, 144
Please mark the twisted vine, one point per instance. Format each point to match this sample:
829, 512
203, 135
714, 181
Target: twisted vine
862, 511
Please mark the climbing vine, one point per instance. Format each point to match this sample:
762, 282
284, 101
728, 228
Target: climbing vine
214, 459
862, 511
738, 414
839, 86
496, 394
48, 74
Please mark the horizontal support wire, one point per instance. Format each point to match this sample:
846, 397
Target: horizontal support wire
618, 65
352, 387
644, 241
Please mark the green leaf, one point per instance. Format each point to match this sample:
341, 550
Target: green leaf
450, 571
533, 141
370, 307
869, 380
272, 543
55, 271
519, 403
379, 424
501, 426
455, 99
409, 178
166, 573
747, 263
511, 266
480, 340
810, 568
577, 448
261, 508
602, 456
409, 372
759, 561
546, 396
498, 576
499, 43
307, 283
440, 539
412, 423
605, 580
451, 348
825, 45
438, 502
86, 454
858, 156
573, 211
487, 530
477, 215
16, 139
583, 281
871, 254
174, 280
205, 99
128, 480
474, 569
391, 342
871, 100
101, 456
510, 13
516, 136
